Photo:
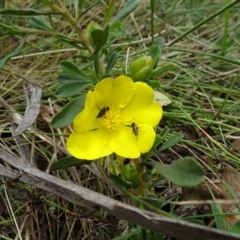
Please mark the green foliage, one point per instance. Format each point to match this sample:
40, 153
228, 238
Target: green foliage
156, 50
69, 112
129, 6
72, 89
184, 172
99, 37
235, 228
15, 53
220, 219
41, 23
161, 70
174, 140
78, 4
67, 162
130, 173
73, 71
196, 74
111, 62
73, 82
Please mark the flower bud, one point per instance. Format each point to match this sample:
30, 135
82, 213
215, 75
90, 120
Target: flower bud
130, 173
141, 68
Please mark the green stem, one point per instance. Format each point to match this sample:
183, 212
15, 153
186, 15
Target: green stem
140, 170
82, 37
152, 22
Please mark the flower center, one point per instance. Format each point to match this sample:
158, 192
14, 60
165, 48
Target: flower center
111, 120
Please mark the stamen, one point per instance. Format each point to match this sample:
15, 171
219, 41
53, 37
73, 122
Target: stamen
111, 120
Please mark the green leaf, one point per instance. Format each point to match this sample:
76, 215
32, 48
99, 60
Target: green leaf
159, 42
161, 70
64, 78
119, 181
152, 152
111, 62
185, 172
40, 22
219, 218
109, 11
71, 89
68, 42
69, 112
126, 10
158, 140
175, 139
164, 132
28, 12
13, 54
78, 4
235, 228
153, 83
73, 71
2, 4
155, 53
231, 192
68, 162
99, 37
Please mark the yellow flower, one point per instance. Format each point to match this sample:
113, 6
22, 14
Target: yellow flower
119, 116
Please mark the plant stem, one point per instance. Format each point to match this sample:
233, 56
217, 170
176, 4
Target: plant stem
140, 169
82, 37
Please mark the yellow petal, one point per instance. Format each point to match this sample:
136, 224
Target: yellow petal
90, 145
128, 144
114, 93
142, 109
86, 120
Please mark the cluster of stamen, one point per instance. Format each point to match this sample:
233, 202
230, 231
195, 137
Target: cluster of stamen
111, 120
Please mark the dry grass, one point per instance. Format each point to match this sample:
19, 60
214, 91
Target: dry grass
203, 88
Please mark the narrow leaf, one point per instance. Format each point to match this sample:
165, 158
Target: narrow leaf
68, 42
40, 22
155, 53
185, 172
2, 3
161, 70
78, 4
153, 83
219, 218
13, 54
68, 162
111, 62
126, 10
71, 89
64, 78
99, 37
28, 12
175, 139
69, 112
119, 181
159, 42
72, 70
